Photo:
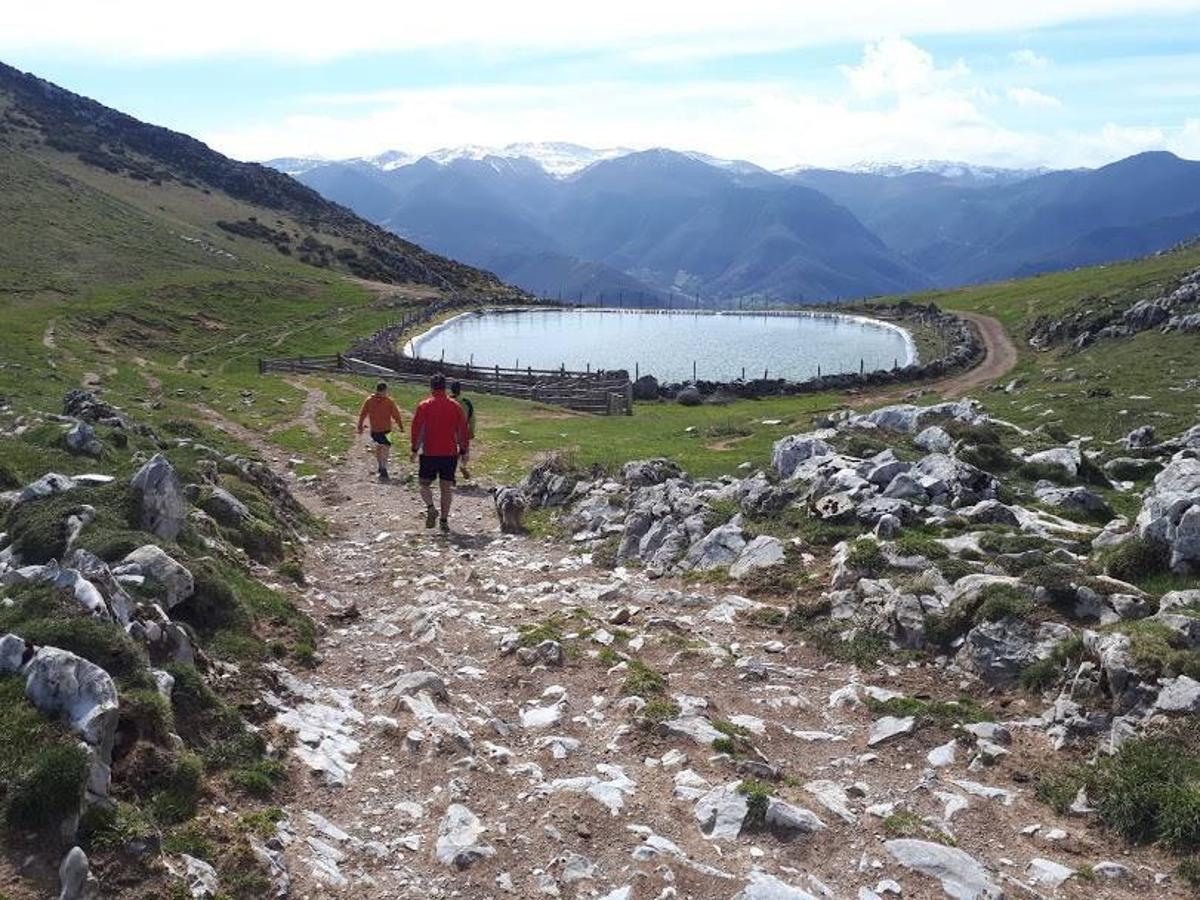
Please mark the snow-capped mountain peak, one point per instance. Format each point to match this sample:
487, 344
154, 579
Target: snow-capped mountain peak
957, 171
556, 158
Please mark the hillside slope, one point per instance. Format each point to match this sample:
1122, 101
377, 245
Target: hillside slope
54, 125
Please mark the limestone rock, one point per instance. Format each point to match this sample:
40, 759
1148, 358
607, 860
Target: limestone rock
889, 727
1000, 651
1048, 872
721, 812
81, 440
12, 654
75, 879
789, 452
788, 820
163, 506
224, 507
763, 886
1180, 695
646, 472
720, 547
201, 878
1170, 513
154, 563
961, 876
761, 553
934, 439
458, 843
58, 682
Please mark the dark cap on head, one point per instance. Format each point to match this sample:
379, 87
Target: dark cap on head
456, 388
437, 382
381, 387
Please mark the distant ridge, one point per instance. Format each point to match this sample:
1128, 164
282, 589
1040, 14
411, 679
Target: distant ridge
560, 219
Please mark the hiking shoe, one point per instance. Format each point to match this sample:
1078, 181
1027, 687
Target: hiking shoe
431, 516
445, 526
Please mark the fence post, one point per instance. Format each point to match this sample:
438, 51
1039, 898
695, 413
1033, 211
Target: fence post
262, 368
629, 398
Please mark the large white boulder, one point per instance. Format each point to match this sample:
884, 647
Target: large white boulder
58, 683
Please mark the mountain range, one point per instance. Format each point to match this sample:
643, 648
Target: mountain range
647, 226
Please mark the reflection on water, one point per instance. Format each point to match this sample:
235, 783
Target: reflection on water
666, 344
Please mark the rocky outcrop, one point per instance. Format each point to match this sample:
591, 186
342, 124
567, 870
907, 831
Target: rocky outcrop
1170, 514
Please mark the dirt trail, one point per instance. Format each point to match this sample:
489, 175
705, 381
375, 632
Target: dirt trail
574, 798
252, 439
314, 401
1000, 356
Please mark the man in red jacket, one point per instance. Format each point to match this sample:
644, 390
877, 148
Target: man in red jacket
440, 436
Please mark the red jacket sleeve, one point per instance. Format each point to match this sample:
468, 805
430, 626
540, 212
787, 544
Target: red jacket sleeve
362, 413
418, 423
396, 417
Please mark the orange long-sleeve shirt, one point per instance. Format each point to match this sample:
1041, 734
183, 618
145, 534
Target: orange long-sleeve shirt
382, 411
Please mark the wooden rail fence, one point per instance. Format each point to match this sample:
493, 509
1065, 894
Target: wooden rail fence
599, 393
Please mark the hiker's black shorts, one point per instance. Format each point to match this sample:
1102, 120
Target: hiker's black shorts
381, 437
431, 468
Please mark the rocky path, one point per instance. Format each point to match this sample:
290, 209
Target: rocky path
436, 759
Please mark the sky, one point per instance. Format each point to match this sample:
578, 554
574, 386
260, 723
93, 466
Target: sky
1055, 83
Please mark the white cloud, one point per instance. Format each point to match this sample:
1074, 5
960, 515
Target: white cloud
1027, 57
898, 104
132, 30
1032, 99
895, 67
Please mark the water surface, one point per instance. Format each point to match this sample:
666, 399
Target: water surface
666, 344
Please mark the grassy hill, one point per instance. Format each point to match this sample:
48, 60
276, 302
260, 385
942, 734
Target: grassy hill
1111, 386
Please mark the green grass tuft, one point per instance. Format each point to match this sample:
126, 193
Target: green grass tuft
643, 681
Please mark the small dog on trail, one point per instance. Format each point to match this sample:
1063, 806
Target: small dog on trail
510, 509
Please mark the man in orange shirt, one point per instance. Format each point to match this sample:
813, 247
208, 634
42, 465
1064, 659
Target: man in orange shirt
441, 437
381, 410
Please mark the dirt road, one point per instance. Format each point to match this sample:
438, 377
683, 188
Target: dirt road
1000, 356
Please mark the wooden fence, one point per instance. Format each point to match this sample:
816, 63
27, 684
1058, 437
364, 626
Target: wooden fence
599, 393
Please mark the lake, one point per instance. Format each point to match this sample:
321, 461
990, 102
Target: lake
665, 344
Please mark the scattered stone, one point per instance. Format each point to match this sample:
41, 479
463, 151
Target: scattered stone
721, 812
1179, 695
763, 886
81, 440
1048, 872
889, 727
961, 876
787, 820
940, 757
458, 843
